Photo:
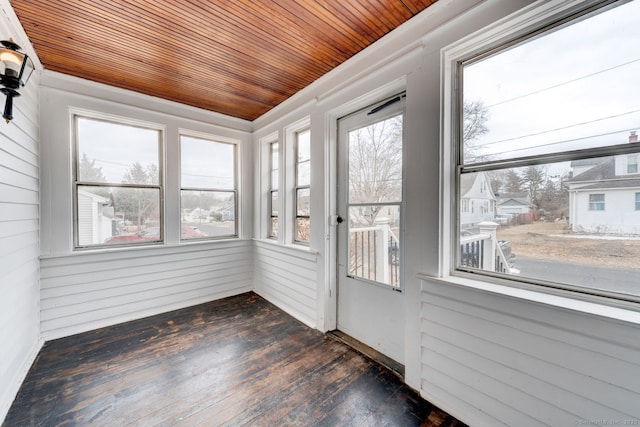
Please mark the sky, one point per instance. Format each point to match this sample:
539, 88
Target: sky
576, 87
207, 164
115, 147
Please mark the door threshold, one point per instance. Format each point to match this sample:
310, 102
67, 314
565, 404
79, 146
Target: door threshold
396, 367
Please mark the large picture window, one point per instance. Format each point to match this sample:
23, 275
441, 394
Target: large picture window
208, 188
546, 133
117, 184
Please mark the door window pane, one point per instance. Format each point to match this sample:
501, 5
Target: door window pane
374, 243
375, 162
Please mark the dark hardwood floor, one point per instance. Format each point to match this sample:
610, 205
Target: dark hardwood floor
236, 361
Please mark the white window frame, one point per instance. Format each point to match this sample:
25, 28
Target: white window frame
530, 20
632, 164
221, 140
76, 114
595, 202
267, 187
289, 162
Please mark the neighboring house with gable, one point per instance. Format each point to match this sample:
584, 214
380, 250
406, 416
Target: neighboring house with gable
477, 201
95, 218
513, 203
604, 194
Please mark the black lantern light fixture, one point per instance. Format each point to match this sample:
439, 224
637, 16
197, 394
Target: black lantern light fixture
15, 70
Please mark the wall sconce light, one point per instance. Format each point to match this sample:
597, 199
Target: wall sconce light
15, 70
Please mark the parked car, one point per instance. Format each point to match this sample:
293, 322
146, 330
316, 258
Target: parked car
153, 234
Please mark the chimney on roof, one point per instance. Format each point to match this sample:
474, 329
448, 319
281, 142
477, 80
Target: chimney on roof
633, 137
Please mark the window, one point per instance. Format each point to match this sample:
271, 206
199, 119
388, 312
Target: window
632, 163
117, 183
638, 201
208, 195
596, 202
274, 183
548, 128
303, 189
286, 184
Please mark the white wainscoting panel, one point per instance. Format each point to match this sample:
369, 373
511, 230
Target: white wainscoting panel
495, 360
91, 290
287, 277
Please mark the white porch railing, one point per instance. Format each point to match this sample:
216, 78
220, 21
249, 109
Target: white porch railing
374, 254
483, 250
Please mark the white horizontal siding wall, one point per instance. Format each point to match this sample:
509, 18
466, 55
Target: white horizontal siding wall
19, 231
92, 290
496, 360
287, 277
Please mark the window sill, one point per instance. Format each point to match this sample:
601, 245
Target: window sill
151, 247
303, 249
583, 303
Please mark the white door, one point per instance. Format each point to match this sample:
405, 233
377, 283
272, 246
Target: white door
370, 208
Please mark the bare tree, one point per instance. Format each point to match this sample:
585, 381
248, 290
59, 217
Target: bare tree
375, 165
474, 125
554, 197
138, 203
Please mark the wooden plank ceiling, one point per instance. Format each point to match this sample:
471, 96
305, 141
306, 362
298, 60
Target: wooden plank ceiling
236, 57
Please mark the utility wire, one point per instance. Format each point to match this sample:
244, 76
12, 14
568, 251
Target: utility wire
560, 128
569, 140
565, 83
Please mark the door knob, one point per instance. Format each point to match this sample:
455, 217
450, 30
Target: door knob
339, 220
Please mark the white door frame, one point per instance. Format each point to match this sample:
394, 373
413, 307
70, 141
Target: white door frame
367, 308
328, 302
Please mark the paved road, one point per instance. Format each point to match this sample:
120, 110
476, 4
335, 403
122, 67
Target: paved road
214, 228
619, 280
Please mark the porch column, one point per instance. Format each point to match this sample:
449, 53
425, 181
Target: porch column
489, 255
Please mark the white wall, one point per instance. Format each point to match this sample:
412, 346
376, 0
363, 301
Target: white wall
618, 217
497, 360
83, 290
92, 290
487, 358
287, 277
19, 228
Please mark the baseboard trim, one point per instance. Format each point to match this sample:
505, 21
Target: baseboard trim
396, 367
10, 394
